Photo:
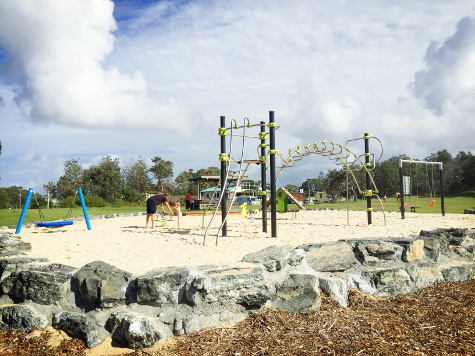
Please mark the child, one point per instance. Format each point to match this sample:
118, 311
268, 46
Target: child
178, 212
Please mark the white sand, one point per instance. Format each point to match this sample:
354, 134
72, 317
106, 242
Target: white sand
125, 243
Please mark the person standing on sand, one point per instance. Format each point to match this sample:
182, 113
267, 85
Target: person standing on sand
188, 201
152, 203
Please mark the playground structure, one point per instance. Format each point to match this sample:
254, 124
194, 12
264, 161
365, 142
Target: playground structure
45, 223
405, 183
336, 152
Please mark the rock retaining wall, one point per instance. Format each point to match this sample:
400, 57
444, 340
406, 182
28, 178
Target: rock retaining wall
99, 300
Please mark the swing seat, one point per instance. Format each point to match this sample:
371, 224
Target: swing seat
54, 223
431, 203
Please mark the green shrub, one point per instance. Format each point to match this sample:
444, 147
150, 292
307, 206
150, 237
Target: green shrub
89, 200
118, 203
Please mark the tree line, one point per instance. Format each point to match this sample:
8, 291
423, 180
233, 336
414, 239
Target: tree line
114, 184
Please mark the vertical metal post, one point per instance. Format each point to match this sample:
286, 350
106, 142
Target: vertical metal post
23, 212
84, 210
263, 177
273, 189
224, 161
401, 187
368, 192
441, 173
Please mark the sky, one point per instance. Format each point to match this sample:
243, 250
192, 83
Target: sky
84, 79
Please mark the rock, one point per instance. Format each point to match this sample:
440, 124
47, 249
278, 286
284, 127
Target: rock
163, 286
330, 257
382, 282
425, 275
10, 243
102, 285
458, 271
134, 330
42, 284
21, 317
337, 288
274, 258
298, 293
79, 326
377, 252
242, 285
468, 211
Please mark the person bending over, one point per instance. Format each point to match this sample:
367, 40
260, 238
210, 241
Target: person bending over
152, 203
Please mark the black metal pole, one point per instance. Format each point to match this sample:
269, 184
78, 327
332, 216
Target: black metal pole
273, 190
441, 173
263, 176
224, 161
368, 192
401, 187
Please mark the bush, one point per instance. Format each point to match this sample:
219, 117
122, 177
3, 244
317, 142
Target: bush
89, 200
118, 203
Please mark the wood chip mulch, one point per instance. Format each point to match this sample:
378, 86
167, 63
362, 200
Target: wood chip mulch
438, 320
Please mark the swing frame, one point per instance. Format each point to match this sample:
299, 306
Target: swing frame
52, 223
401, 184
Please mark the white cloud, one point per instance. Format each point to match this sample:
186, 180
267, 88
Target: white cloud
449, 76
61, 54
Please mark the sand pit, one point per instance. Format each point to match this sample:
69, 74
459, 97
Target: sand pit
125, 242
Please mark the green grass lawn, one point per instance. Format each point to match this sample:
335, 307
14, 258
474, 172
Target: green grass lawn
453, 205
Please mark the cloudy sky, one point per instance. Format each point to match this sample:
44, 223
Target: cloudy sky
84, 79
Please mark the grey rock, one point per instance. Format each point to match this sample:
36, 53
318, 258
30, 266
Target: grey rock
21, 317
382, 282
330, 257
377, 252
42, 284
163, 286
242, 285
10, 243
102, 285
458, 271
79, 326
337, 288
134, 330
274, 258
424, 275
298, 293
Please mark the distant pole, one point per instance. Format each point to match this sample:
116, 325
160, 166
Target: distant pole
273, 189
401, 187
441, 174
23, 212
263, 144
368, 192
223, 158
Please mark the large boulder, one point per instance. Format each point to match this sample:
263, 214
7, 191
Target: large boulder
274, 258
162, 286
297, 293
135, 330
242, 285
330, 257
382, 282
21, 317
10, 243
102, 285
42, 284
79, 326
335, 287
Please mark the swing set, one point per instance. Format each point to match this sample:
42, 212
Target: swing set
405, 185
54, 224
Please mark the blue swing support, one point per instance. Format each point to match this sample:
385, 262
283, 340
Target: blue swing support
52, 223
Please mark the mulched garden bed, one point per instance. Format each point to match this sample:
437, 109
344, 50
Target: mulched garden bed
438, 320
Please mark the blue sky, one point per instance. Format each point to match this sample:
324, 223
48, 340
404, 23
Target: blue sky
139, 79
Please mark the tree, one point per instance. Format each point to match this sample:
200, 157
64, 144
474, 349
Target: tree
292, 188
104, 180
71, 180
162, 171
335, 184
183, 186
136, 180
